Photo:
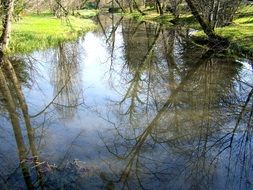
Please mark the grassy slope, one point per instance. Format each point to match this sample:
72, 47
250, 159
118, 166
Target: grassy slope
34, 32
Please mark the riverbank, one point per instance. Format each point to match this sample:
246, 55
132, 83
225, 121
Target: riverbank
239, 32
40, 31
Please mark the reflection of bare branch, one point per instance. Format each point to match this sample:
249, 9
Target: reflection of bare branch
240, 116
101, 26
65, 74
135, 85
52, 101
70, 146
140, 140
201, 153
114, 29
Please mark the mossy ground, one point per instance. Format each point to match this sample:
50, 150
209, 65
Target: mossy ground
36, 32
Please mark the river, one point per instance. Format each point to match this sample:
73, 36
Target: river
131, 105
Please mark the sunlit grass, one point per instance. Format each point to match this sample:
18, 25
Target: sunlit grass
245, 11
34, 32
87, 13
241, 30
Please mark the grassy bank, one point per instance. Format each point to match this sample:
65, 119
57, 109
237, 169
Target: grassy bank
240, 32
36, 32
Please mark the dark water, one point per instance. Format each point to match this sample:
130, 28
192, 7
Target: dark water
130, 106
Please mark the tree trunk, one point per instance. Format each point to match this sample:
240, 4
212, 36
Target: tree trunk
205, 26
8, 11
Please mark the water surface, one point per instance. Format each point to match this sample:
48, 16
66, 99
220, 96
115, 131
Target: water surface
132, 106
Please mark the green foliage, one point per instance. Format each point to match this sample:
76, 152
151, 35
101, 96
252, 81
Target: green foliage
35, 32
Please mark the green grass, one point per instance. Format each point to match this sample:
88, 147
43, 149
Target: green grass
151, 15
241, 30
36, 32
86, 13
157, 18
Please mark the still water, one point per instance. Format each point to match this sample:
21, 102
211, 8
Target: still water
130, 106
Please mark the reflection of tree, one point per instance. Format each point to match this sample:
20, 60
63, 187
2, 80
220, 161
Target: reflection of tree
139, 41
30, 167
148, 52
65, 80
10, 89
108, 26
182, 146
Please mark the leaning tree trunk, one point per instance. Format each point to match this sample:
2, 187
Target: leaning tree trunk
203, 23
6, 21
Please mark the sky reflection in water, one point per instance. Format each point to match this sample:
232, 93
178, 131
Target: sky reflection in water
141, 108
